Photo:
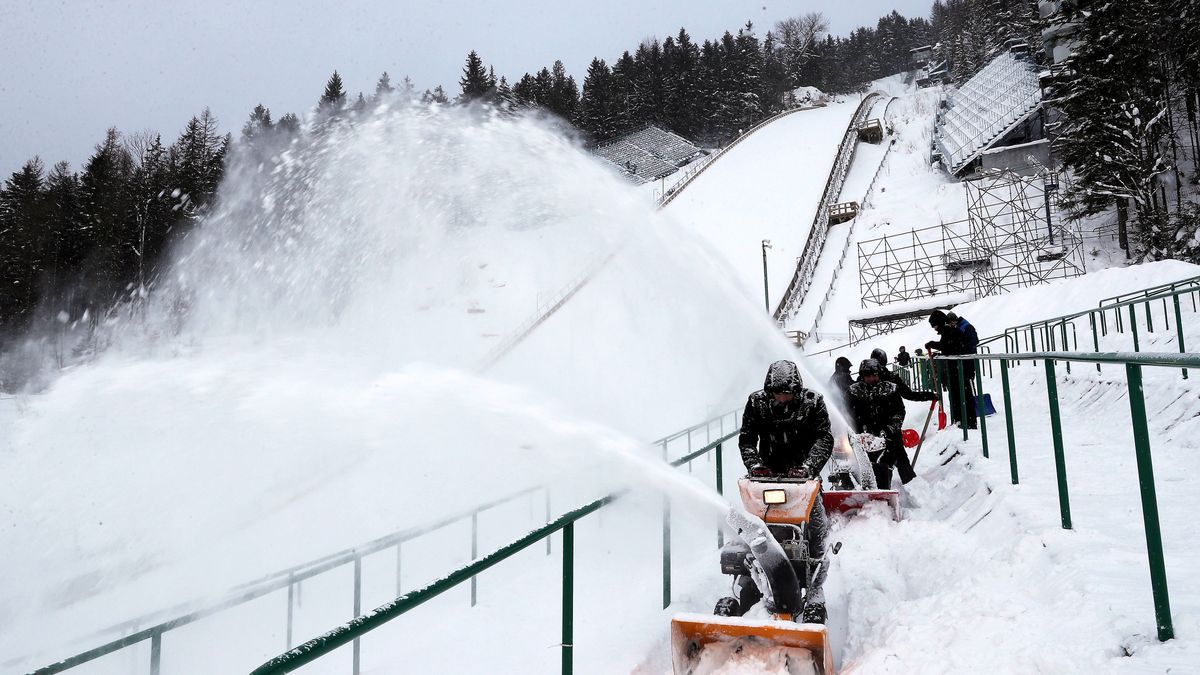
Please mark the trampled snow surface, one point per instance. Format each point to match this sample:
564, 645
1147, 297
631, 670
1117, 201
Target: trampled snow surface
309, 405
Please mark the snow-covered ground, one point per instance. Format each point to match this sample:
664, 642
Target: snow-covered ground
766, 188
324, 390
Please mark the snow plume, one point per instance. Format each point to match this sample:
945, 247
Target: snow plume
306, 377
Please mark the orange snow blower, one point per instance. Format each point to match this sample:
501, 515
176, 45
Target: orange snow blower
770, 561
852, 478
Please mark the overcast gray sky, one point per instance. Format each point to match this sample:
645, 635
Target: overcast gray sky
72, 68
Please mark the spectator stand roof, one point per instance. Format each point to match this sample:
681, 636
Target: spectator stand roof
985, 109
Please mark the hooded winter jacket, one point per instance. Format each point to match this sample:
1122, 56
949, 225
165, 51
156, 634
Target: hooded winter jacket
877, 409
783, 436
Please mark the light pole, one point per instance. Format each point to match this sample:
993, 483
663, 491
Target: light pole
766, 244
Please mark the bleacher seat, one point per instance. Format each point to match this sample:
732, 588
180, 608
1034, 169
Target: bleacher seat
648, 154
1000, 96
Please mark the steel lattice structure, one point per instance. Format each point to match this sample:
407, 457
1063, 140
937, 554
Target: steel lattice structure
1013, 237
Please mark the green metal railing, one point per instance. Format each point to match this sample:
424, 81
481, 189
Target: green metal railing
291, 578
1052, 334
353, 630
1133, 363
1153, 290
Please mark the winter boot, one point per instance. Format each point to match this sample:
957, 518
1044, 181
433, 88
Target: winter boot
728, 606
814, 612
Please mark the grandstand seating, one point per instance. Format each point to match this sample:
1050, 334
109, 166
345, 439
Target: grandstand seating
983, 110
648, 153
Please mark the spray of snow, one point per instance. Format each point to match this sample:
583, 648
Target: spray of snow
306, 376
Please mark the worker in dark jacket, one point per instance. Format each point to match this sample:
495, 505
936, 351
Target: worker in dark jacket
879, 410
957, 337
903, 358
785, 432
906, 392
839, 386
785, 428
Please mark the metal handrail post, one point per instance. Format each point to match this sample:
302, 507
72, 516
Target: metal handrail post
1095, 337
1179, 331
1008, 421
290, 613
568, 599
1154, 552
1066, 345
1133, 328
156, 653
666, 544
962, 400
357, 647
720, 491
548, 516
474, 552
980, 407
1060, 461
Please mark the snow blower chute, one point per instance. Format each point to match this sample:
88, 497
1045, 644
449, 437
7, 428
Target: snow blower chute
852, 480
770, 561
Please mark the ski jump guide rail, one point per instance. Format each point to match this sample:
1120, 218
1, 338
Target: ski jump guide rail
806, 266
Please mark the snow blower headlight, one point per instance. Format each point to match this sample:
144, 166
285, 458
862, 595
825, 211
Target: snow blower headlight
774, 496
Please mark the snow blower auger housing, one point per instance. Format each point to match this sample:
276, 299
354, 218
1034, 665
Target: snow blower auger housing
770, 561
852, 480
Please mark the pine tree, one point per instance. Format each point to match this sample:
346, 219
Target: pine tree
624, 71
334, 97
563, 95
596, 116
505, 99
1112, 108
383, 88
259, 123
525, 91
66, 251
681, 59
289, 124
201, 152
105, 197
435, 97
646, 99
22, 243
476, 83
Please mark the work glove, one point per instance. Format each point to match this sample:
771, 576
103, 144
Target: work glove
760, 471
798, 472
928, 396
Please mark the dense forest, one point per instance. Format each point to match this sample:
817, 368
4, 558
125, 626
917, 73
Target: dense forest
76, 244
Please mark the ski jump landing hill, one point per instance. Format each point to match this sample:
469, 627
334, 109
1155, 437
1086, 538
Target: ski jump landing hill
774, 186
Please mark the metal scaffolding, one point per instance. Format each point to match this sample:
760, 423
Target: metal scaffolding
1013, 237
